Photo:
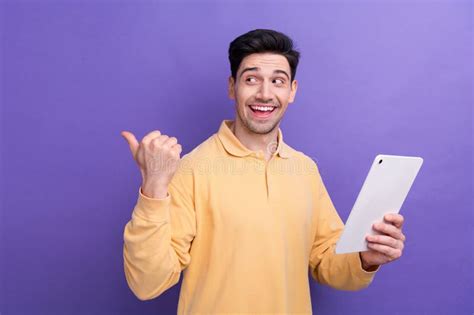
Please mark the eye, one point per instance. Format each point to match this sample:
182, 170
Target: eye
279, 81
251, 79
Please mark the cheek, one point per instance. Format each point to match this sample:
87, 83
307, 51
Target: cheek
284, 96
243, 95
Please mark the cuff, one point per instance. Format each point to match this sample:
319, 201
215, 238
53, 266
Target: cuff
366, 276
151, 209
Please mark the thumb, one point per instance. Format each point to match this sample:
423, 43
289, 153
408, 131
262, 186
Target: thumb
132, 141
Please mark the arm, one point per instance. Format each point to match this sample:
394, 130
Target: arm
158, 238
342, 271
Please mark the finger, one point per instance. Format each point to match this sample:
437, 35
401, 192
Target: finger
392, 253
385, 240
389, 229
177, 148
150, 136
159, 141
132, 141
395, 218
170, 142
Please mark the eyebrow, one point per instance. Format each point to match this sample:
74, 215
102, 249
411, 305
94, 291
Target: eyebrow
257, 68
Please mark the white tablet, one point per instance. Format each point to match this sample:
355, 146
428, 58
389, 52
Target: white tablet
384, 191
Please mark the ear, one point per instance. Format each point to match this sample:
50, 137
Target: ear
231, 88
294, 87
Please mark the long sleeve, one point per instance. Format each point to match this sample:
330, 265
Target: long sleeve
158, 238
342, 271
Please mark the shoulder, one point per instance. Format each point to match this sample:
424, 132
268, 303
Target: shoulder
303, 160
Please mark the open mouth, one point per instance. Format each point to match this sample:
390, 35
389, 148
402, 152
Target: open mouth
262, 111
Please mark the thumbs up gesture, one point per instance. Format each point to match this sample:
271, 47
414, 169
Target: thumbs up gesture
157, 156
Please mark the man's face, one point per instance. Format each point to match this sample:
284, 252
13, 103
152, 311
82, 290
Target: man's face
262, 91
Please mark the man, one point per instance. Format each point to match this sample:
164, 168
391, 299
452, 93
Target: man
243, 215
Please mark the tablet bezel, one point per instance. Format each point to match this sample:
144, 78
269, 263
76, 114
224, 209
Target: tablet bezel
384, 190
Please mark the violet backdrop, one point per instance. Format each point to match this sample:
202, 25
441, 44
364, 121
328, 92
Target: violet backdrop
392, 77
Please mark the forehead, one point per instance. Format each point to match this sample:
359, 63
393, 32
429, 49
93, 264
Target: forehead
266, 62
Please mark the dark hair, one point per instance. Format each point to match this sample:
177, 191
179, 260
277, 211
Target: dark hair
261, 41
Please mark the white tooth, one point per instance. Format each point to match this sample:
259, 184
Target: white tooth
262, 108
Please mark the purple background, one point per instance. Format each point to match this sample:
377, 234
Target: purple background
374, 77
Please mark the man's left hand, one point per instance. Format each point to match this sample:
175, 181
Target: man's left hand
386, 247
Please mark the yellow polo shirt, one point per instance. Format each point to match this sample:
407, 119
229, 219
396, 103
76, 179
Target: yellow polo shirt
244, 231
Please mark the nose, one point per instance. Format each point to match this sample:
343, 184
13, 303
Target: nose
264, 93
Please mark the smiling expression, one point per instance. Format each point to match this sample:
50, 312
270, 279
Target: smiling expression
262, 91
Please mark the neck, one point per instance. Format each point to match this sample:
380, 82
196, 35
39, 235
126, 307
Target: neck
254, 141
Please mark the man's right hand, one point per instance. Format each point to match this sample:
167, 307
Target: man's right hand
157, 157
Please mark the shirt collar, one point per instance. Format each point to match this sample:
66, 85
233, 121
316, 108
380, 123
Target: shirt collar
233, 145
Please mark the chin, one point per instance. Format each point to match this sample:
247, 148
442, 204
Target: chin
261, 128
